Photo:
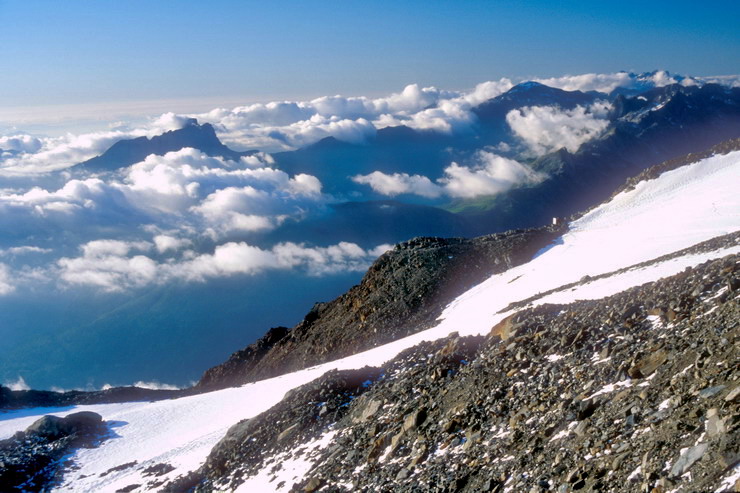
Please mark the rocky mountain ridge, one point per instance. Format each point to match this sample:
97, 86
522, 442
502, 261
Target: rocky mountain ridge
403, 292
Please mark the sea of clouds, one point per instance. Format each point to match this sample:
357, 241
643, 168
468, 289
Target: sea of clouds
187, 217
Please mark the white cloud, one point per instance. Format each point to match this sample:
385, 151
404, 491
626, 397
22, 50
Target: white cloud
19, 384
287, 125
283, 125
488, 174
105, 264
20, 143
43, 155
185, 188
724, 80
399, 183
24, 250
166, 243
110, 265
605, 83
155, 385
547, 128
6, 280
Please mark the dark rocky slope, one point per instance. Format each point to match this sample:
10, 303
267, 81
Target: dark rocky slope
403, 292
16, 399
33, 460
635, 392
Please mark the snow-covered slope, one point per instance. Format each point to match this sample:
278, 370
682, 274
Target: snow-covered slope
677, 210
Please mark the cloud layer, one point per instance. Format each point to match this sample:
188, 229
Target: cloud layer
182, 217
487, 174
547, 128
285, 125
115, 265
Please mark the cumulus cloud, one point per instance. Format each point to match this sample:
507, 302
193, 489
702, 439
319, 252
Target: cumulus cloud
37, 155
155, 211
291, 124
399, 183
488, 174
241, 258
186, 188
547, 128
491, 174
284, 125
20, 143
605, 83
106, 264
166, 243
724, 80
155, 385
114, 265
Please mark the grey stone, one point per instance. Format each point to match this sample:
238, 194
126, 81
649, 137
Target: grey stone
714, 424
688, 458
711, 391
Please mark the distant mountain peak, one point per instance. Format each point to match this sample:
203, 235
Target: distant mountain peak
130, 151
525, 86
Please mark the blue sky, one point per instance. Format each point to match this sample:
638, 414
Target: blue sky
100, 52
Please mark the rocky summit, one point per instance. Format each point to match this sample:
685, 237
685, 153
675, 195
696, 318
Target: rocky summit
403, 292
634, 392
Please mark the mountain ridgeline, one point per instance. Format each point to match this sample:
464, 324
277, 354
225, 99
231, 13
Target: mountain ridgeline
403, 292
130, 151
644, 128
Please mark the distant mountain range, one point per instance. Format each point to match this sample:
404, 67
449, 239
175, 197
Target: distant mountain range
645, 127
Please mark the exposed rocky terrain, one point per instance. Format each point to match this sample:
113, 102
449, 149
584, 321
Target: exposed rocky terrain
403, 292
635, 392
32, 460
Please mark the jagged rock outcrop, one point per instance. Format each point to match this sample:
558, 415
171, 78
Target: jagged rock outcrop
634, 392
403, 292
31, 460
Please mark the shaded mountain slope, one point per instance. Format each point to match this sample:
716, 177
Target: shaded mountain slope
691, 121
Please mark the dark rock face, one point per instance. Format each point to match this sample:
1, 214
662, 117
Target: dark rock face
627, 393
15, 399
242, 362
32, 460
403, 292
127, 152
